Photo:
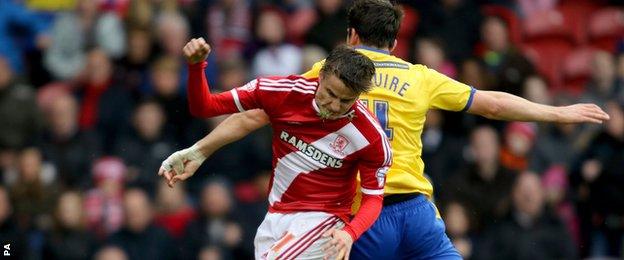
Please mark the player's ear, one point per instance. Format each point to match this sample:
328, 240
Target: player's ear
394, 44
352, 37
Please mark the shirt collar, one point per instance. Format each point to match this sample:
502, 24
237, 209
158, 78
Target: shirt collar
368, 48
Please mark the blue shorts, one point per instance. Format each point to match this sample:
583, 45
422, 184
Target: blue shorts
406, 230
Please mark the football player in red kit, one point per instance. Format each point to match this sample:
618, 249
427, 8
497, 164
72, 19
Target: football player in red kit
322, 137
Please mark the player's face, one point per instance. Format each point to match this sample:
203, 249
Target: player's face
333, 97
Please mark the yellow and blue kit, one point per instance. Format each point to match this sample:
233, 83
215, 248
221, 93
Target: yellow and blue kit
408, 227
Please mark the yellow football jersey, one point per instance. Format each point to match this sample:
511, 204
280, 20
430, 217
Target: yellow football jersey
401, 95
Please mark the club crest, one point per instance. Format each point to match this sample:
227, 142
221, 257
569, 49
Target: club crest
339, 144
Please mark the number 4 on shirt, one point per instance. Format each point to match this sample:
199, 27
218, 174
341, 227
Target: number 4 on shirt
380, 108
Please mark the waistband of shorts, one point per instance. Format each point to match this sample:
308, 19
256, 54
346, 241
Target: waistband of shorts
404, 200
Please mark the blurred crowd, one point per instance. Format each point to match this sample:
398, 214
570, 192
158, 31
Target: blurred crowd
93, 99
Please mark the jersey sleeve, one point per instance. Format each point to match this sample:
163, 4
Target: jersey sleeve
446, 93
314, 71
202, 103
376, 159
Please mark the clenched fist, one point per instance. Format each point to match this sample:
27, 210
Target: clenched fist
196, 50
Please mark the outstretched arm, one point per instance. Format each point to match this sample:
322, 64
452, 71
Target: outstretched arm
504, 106
184, 163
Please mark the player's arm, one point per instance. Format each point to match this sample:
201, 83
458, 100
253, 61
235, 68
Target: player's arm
505, 106
448, 94
202, 103
182, 164
376, 159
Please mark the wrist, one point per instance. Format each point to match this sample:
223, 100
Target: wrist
351, 232
195, 153
197, 65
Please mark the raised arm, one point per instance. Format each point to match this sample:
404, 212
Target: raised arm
504, 106
202, 103
184, 163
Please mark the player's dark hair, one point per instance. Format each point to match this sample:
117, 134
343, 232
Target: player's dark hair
375, 21
352, 68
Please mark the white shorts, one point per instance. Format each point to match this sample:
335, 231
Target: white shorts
294, 235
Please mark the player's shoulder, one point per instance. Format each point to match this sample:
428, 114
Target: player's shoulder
291, 83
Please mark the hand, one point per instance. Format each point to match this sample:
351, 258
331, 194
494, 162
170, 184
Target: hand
181, 165
582, 113
196, 50
339, 245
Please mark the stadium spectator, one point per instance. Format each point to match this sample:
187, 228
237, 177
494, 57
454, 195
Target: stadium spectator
228, 26
172, 31
454, 22
165, 81
97, 77
75, 32
602, 85
232, 73
558, 199
557, 145
472, 72
69, 239
173, 211
531, 231
518, 141
17, 110
502, 58
535, 89
139, 237
484, 185
33, 198
132, 69
111, 253
146, 146
70, 149
598, 180
252, 206
276, 57
210, 253
328, 31
216, 225
103, 203
430, 52
458, 228
440, 147
13, 43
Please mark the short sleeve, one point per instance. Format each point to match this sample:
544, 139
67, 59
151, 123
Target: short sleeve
446, 93
376, 160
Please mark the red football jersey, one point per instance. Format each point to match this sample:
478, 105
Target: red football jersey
315, 161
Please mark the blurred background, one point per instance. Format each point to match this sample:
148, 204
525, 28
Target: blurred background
93, 98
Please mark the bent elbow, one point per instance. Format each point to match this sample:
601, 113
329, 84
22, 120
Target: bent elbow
195, 112
199, 112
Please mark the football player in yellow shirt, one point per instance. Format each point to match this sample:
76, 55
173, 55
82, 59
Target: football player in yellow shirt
409, 226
